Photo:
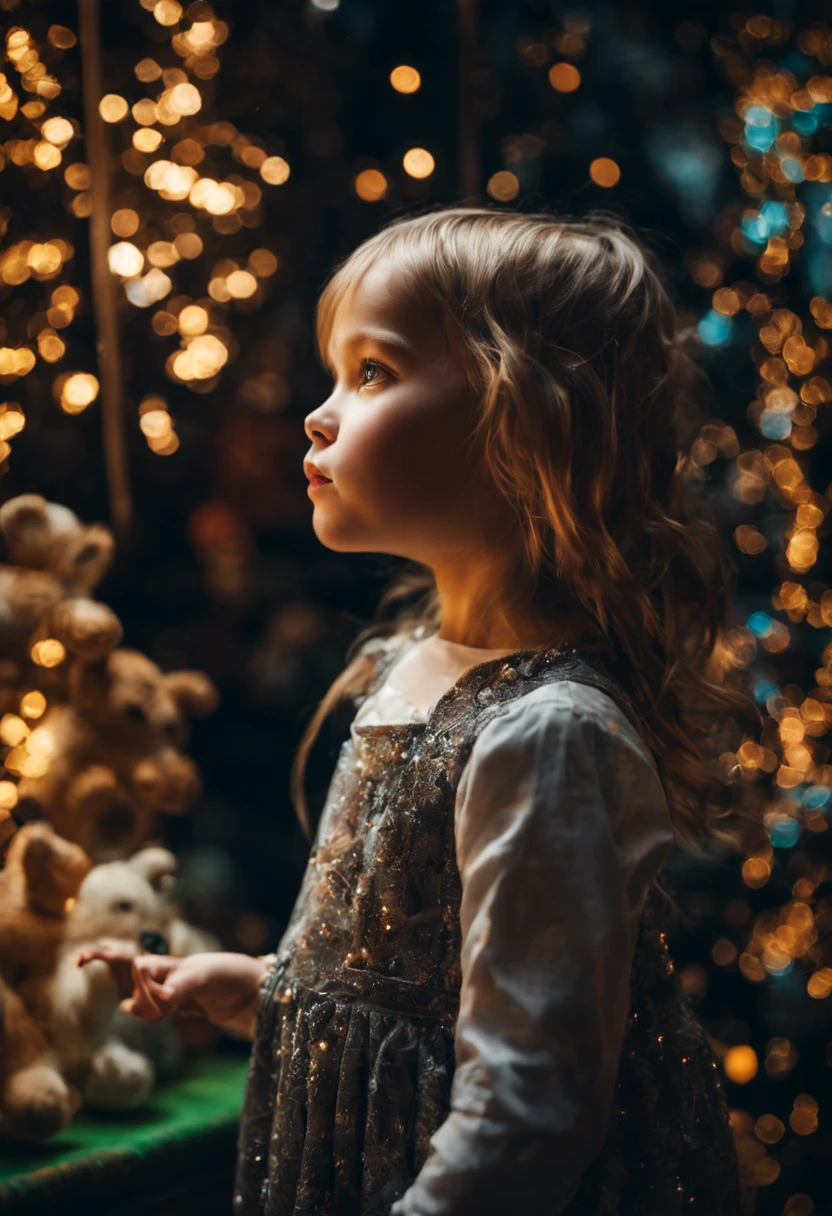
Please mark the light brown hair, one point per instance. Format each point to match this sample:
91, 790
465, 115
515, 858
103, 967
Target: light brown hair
591, 404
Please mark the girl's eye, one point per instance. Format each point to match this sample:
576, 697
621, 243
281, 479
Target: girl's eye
370, 365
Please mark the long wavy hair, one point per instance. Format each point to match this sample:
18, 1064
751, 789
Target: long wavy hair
591, 406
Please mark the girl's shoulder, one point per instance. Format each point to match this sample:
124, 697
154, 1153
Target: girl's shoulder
564, 705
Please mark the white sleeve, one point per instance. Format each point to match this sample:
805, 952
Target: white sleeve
562, 823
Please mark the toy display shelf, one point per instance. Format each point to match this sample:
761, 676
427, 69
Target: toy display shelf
173, 1157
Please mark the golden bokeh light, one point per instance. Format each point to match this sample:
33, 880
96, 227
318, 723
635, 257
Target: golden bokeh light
165, 446
167, 12
44, 259
370, 185
241, 284
564, 77
193, 320
51, 348
112, 107
186, 99
418, 162
48, 653
125, 259
503, 186
156, 424
740, 1064
162, 254
275, 170
13, 730
58, 131
202, 358
405, 79
8, 795
33, 704
60, 37
124, 222
79, 390
16, 361
77, 176
188, 245
146, 139
263, 262
147, 70
12, 420
148, 289
144, 112
46, 155
188, 152
604, 171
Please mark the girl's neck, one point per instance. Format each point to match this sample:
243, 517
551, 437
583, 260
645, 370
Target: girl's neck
563, 631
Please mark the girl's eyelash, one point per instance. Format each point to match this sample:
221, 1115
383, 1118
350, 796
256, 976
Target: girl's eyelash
365, 363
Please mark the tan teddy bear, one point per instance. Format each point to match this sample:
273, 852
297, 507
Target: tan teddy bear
41, 876
127, 906
47, 537
114, 753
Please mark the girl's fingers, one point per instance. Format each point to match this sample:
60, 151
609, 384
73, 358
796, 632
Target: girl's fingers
138, 979
121, 967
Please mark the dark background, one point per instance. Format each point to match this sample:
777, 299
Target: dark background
222, 570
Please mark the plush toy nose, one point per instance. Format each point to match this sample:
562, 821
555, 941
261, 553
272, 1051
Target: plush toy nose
152, 942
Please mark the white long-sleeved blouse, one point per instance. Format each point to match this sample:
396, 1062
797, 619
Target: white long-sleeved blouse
561, 824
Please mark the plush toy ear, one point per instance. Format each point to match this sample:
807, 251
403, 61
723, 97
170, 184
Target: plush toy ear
88, 679
157, 865
87, 556
193, 692
25, 518
54, 868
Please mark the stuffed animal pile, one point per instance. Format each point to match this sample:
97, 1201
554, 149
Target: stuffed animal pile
94, 731
60, 1023
91, 746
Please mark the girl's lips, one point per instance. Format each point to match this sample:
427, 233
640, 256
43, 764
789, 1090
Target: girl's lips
318, 481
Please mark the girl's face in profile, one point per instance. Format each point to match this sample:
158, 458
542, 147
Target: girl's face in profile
393, 435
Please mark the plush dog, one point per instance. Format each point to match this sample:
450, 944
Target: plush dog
112, 1057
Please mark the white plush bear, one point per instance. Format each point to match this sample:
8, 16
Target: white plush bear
129, 906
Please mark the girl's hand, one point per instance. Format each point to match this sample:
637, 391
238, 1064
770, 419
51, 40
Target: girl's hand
219, 985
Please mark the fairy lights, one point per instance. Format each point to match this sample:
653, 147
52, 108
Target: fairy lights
503, 185
125, 259
786, 183
564, 77
370, 185
418, 162
78, 391
405, 79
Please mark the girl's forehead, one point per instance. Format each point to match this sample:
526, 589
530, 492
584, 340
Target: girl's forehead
381, 299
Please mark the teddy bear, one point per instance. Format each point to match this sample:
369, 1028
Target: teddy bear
113, 753
54, 561
111, 1056
42, 875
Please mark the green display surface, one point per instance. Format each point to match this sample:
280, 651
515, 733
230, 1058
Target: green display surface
176, 1153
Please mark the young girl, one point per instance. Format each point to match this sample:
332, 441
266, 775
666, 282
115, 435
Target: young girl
472, 1009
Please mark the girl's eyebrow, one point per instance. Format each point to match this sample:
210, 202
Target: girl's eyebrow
381, 337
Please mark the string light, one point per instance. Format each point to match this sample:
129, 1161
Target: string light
112, 107
79, 391
405, 79
418, 162
370, 185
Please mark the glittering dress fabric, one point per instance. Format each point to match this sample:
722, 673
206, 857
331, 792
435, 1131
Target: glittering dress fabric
353, 1056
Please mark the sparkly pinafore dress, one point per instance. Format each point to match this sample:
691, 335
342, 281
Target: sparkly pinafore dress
353, 1055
